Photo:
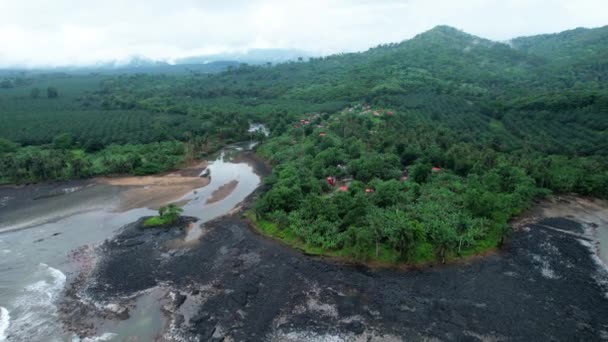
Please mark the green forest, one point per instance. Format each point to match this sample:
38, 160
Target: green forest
415, 151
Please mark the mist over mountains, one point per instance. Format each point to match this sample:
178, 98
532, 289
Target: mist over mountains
202, 63
542, 45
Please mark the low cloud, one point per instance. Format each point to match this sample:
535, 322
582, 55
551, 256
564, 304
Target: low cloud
65, 32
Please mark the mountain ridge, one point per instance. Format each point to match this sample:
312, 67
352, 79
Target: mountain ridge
541, 45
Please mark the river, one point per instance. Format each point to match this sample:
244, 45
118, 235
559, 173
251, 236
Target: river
39, 236
221, 280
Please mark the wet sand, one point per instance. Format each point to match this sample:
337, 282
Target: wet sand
592, 214
32, 205
222, 192
233, 284
154, 191
69, 215
236, 285
24, 206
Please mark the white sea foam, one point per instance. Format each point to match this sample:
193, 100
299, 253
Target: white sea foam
35, 310
103, 337
5, 320
72, 189
602, 275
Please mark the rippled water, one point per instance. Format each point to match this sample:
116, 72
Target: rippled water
34, 262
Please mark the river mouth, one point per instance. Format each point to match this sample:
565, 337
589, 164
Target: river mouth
41, 224
213, 278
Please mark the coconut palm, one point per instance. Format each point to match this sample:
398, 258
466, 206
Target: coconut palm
170, 212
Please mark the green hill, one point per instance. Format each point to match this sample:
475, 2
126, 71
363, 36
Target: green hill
501, 124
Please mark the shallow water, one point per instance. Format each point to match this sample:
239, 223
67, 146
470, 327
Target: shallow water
35, 263
602, 237
222, 172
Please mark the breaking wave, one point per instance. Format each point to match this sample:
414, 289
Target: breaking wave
104, 337
5, 319
35, 310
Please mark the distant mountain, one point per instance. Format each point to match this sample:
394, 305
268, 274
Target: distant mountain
130, 68
469, 84
448, 36
206, 63
157, 67
254, 56
567, 45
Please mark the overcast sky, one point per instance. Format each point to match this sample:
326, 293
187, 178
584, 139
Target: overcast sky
77, 32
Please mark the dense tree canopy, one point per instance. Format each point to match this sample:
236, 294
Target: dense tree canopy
412, 151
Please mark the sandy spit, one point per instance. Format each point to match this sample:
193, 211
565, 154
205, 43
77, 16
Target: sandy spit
157, 190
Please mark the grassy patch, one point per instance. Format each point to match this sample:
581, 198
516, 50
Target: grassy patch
157, 221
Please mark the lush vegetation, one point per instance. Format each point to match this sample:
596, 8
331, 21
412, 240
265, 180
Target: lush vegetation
31, 119
49, 130
501, 123
167, 215
494, 160
386, 202
61, 160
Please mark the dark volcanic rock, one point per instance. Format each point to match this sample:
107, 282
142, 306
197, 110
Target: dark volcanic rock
563, 223
541, 287
131, 262
355, 327
180, 299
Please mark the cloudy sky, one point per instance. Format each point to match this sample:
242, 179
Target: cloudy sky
79, 32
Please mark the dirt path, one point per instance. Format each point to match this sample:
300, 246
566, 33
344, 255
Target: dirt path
237, 285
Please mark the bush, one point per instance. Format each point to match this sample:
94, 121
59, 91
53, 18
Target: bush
167, 215
62, 141
52, 93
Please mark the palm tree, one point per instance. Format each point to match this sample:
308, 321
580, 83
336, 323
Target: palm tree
170, 212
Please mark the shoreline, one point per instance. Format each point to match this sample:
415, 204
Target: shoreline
534, 213
334, 257
44, 203
235, 283
153, 191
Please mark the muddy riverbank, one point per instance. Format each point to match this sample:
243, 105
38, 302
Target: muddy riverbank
25, 206
49, 235
236, 285
155, 191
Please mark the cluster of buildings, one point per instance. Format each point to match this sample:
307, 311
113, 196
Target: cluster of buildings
367, 110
